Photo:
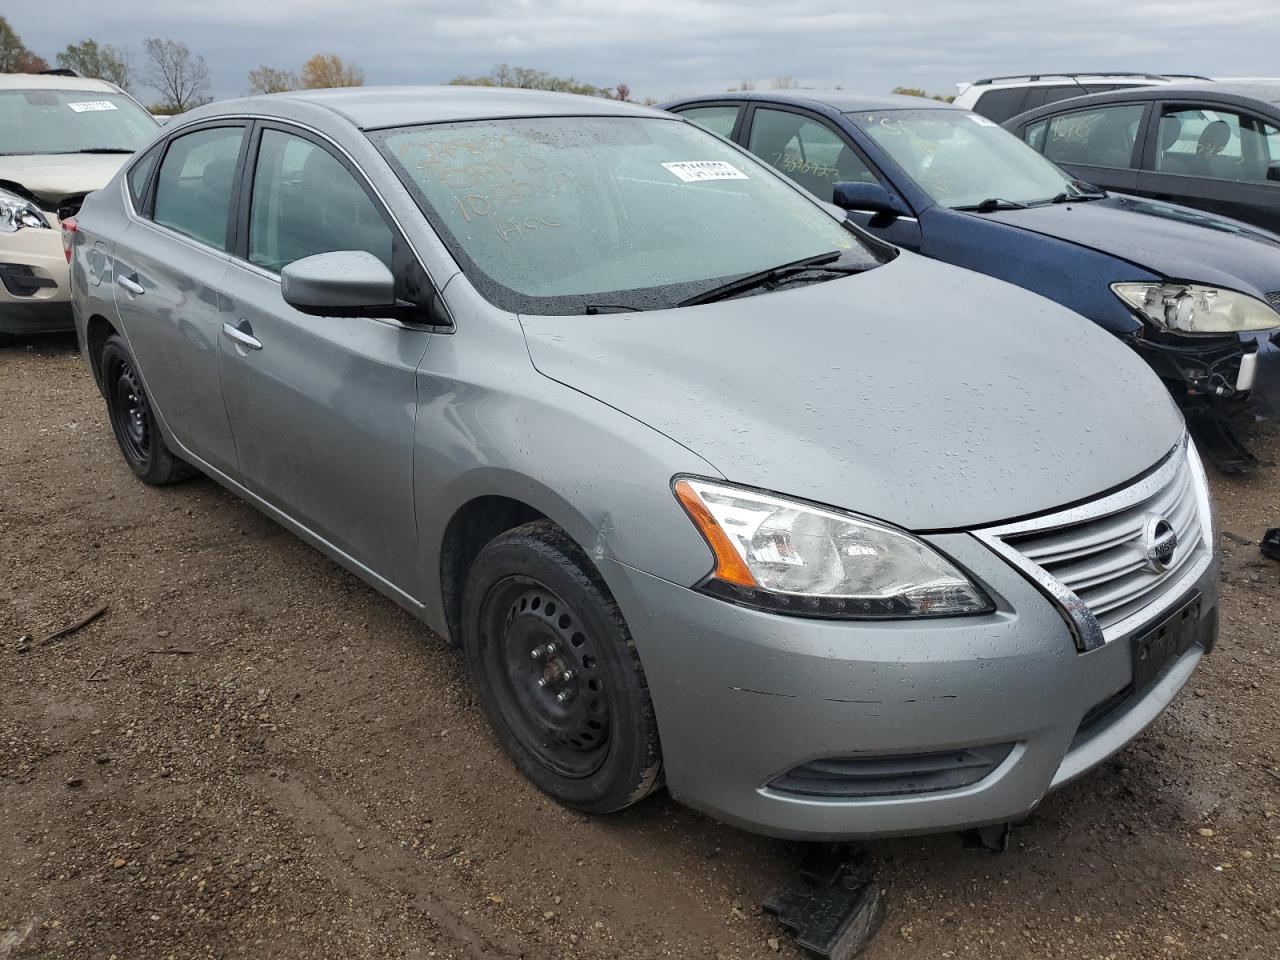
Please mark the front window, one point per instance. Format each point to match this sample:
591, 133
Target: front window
1214, 143
1095, 136
71, 121
961, 159
571, 215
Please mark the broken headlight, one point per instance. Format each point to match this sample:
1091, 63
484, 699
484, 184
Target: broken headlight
1193, 308
792, 557
17, 212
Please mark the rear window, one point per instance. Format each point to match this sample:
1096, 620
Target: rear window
71, 121
1000, 103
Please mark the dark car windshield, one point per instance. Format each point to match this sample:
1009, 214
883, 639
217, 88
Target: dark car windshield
571, 215
961, 159
69, 121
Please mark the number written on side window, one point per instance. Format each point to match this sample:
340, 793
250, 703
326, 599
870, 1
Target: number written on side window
306, 202
810, 153
1216, 144
1094, 137
193, 186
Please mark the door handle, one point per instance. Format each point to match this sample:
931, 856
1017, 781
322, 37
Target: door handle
131, 284
242, 334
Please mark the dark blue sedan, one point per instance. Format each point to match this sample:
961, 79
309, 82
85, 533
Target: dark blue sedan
1195, 294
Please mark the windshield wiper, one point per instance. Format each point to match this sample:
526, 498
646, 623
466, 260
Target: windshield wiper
105, 150
1081, 196
591, 309
823, 263
992, 204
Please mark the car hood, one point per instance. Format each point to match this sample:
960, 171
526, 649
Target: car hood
917, 393
55, 176
1174, 241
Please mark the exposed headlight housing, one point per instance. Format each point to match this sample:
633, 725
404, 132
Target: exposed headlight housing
1192, 308
17, 212
792, 557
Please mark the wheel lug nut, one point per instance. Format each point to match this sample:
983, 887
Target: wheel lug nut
566, 676
542, 681
551, 648
536, 653
562, 696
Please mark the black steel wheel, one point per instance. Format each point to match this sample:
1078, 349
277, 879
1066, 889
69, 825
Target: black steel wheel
557, 673
133, 421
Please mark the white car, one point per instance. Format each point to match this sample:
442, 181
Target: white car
999, 98
61, 137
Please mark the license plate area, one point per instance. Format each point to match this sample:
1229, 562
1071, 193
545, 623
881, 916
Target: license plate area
1156, 648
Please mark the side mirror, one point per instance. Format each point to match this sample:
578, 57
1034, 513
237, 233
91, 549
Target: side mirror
345, 283
1273, 171
869, 198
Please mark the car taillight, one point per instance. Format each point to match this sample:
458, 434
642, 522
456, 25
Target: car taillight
69, 227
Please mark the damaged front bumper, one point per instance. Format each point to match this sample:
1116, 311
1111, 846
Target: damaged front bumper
1230, 373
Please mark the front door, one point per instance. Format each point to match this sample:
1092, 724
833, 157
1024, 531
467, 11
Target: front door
322, 408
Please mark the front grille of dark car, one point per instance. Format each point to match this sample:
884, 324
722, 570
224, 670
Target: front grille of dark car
852, 778
69, 206
1274, 299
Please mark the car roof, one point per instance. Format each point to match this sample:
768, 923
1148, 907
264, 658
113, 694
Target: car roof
841, 100
45, 81
1241, 94
373, 107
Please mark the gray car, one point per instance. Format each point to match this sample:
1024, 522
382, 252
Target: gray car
712, 487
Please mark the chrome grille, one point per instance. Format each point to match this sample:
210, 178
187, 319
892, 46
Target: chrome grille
1274, 299
1094, 561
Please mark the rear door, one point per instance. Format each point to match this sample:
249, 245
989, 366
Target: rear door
322, 408
1215, 158
1098, 144
169, 267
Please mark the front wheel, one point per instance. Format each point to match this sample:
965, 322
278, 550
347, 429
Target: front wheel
557, 673
132, 419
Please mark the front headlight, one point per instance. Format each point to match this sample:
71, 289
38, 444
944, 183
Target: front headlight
17, 212
1192, 308
791, 557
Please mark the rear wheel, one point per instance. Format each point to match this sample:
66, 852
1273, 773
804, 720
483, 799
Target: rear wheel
132, 419
557, 673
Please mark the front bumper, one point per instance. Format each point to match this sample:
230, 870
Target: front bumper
1239, 369
35, 284
744, 696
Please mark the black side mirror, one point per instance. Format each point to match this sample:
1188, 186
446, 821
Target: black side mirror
1273, 171
345, 283
869, 198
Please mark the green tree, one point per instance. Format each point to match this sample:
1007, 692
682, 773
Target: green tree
270, 80
918, 92
14, 55
102, 61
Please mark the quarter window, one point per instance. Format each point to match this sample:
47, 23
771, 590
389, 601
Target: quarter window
1217, 144
809, 152
1095, 136
719, 120
194, 185
140, 173
999, 105
306, 202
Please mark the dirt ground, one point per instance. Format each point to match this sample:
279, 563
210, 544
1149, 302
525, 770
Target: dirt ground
251, 754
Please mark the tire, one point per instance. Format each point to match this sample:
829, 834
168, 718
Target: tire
534, 608
132, 420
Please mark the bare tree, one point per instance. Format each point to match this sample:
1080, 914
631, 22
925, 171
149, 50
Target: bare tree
623, 91
323, 70
270, 80
180, 77
782, 83
102, 61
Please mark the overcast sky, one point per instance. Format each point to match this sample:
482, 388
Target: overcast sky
665, 48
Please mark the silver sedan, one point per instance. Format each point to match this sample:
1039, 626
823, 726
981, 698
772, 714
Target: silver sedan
711, 486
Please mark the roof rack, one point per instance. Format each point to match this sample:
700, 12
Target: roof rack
61, 72
1093, 73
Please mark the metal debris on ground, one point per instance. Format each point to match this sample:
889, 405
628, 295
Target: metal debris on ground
80, 624
838, 909
1271, 543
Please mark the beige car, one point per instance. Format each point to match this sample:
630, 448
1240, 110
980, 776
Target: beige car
61, 137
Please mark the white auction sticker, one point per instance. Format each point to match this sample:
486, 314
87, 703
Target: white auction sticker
981, 120
90, 106
691, 171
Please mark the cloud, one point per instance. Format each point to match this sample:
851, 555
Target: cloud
667, 48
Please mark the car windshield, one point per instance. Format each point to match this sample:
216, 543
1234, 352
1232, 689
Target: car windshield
572, 215
69, 121
961, 159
